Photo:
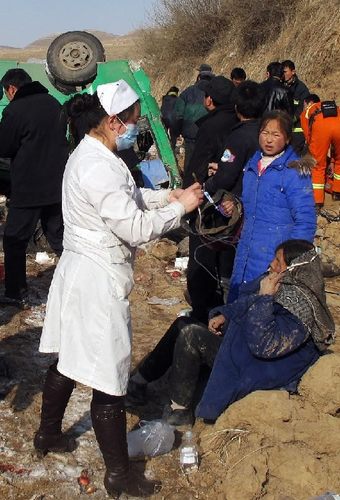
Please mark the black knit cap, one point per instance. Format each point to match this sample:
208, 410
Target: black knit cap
205, 67
220, 89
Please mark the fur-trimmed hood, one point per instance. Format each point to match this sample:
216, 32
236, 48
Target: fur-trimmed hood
303, 165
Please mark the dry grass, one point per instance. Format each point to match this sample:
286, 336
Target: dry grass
252, 34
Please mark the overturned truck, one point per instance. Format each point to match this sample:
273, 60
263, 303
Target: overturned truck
76, 63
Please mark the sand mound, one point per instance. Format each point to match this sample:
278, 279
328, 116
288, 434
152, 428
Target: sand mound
285, 446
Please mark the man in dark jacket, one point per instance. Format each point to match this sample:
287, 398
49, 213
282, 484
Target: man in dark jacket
242, 142
267, 339
33, 135
276, 96
213, 129
167, 113
227, 174
203, 275
189, 108
298, 92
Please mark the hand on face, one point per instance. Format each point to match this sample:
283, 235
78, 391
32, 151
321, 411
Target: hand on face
270, 284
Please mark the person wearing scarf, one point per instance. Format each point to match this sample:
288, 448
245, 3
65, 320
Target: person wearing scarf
277, 328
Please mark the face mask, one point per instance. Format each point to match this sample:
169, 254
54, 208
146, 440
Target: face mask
127, 140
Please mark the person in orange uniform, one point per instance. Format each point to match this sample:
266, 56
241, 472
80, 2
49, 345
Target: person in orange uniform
322, 133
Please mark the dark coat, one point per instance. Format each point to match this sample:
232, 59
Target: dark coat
33, 135
298, 92
167, 110
247, 360
276, 96
240, 146
214, 128
278, 205
189, 108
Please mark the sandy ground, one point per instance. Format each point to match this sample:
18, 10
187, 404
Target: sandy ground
269, 445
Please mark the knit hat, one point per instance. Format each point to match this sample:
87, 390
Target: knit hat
205, 67
116, 96
220, 89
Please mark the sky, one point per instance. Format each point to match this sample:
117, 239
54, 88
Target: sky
23, 21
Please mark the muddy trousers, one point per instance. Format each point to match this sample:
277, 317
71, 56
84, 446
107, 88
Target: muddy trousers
19, 229
185, 347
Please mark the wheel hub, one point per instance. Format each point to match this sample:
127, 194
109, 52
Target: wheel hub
75, 55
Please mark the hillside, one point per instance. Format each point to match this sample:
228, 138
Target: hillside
249, 33
116, 47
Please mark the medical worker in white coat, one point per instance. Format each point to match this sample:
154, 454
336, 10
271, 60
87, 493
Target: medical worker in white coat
88, 316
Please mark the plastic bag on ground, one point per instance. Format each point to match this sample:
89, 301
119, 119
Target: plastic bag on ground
151, 439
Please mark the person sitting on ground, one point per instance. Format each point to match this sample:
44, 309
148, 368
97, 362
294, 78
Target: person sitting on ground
237, 76
267, 339
276, 330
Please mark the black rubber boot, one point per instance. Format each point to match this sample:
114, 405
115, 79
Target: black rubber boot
109, 424
56, 394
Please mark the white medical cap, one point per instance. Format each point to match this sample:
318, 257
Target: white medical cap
116, 96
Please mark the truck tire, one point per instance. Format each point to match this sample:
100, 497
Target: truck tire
72, 58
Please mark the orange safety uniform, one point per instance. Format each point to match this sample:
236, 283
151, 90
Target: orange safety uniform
323, 134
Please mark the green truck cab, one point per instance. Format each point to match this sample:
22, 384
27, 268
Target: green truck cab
72, 66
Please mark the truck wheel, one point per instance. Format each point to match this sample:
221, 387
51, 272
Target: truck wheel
72, 58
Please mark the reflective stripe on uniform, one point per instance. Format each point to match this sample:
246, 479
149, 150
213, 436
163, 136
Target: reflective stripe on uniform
297, 129
318, 186
336, 176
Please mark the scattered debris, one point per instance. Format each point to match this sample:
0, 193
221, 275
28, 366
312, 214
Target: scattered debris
181, 263
164, 302
84, 482
43, 258
176, 274
13, 469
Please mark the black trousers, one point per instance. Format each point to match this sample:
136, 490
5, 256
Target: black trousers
206, 269
189, 147
19, 229
98, 397
185, 347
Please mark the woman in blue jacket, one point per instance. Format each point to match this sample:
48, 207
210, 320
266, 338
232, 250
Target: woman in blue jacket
277, 198
273, 332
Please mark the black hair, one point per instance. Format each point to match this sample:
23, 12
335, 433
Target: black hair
16, 77
248, 99
238, 74
202, 76
288, 64
293, 249
275, 69
312, 98
173, 90
284, 119
85, 112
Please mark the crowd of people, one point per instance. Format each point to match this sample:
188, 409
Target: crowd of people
259, 317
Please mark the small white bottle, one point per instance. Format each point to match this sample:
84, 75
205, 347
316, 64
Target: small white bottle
188, 453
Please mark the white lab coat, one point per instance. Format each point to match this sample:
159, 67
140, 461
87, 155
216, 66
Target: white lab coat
105, 216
